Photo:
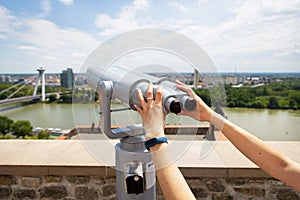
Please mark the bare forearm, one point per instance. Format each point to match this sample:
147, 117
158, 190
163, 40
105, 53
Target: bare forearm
267, 158
171, 181
261, 154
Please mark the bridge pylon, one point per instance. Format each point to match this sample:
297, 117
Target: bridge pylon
41, 76
196, 78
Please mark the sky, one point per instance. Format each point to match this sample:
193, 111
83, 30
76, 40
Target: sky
238, 35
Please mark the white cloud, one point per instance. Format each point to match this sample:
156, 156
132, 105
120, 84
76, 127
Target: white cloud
8, 23
287, 52
49, 45
258, 26
28, 48
125, 21
52, 58
67, 2
46, 8
179, 6
247, 30
203, 2
141, 4
58, 44
252, 30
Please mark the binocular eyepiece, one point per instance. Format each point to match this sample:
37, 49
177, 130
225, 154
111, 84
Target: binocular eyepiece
173, 99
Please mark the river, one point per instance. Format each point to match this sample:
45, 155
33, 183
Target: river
275, 125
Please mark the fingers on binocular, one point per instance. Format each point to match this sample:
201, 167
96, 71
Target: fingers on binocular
138, 108
150, 91
158, 98
140, 97
185, 88
179, 83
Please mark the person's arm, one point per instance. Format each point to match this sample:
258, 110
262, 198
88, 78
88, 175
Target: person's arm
267, 158
171, 181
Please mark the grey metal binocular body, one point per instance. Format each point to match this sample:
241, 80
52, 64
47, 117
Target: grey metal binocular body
126, 83
135, 172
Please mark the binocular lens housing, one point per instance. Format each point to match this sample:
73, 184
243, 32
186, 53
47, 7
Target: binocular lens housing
175, 106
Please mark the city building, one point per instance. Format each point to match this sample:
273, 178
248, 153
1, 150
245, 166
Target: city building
5, 78
67, 78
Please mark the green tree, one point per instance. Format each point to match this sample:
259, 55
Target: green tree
5, 124
66, 98
44, 134
52, 98
21, 128
295, 96
273, 103
293, 104
203, 94
258, 104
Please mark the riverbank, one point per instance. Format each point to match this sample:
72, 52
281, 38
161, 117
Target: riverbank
267, 124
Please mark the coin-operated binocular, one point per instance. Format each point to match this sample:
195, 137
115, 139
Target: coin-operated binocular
135, 171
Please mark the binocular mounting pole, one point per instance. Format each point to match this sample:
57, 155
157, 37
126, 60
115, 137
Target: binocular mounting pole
135, 173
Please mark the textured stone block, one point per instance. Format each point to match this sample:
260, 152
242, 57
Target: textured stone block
5, 192
199, 192
222, 197
78, 179
290, 194
108, 189
86, 193
24, 193
237, 181
276, 182
256, 181
110, 179
31, 181
54, 192
194, 183
52, 179
215, 185
8, 180
253, 191
97, 180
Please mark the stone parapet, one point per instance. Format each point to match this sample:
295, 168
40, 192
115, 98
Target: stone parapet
66, 170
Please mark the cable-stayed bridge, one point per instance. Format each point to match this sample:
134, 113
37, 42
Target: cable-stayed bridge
34, 96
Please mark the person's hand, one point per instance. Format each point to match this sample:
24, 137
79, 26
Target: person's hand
151, 112
202, 112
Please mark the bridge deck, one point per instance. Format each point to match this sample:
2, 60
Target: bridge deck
26, 98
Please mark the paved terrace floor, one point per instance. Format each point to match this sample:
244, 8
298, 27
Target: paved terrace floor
195, 158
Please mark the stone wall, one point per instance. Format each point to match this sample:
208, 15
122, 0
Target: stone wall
97, 187
241, 188
57, 187
66, 170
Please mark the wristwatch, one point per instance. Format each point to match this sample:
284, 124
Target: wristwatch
154, 141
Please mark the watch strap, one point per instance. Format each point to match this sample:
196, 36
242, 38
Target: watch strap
154, 141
